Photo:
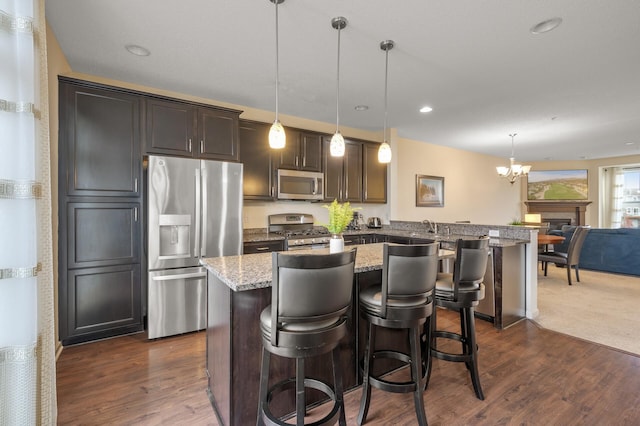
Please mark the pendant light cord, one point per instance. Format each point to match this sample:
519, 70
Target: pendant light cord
277, 60
386, 76
338, 84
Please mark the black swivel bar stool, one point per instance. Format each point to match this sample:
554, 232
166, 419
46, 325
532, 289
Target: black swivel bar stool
403, 301
311, 294
461, 291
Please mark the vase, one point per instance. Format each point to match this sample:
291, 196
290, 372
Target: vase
336, 243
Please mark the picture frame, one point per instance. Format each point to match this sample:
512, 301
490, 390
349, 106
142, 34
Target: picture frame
429, 191
558, 185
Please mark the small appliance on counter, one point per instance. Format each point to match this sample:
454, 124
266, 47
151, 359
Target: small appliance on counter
374, 223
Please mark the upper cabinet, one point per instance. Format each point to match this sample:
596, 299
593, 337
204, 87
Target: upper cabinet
343, 175
100, 131
184, 129
374, 175
302, 152
256, 157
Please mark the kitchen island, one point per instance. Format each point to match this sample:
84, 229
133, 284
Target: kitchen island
239, 288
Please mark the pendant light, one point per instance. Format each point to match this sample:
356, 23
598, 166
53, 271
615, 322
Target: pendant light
384, 152
277, 137
514, 171
336, 147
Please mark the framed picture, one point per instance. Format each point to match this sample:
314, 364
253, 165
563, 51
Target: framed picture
557, 185
429, 191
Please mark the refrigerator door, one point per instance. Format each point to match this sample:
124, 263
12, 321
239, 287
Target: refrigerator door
177, 301
221, 209
173, 213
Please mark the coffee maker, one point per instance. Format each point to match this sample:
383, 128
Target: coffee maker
356, 222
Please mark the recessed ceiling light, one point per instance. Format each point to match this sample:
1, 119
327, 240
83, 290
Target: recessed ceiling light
137, 50
426, 109
546, 26
361, 107
629, 143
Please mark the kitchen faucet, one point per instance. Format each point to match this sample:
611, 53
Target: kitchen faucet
433, 227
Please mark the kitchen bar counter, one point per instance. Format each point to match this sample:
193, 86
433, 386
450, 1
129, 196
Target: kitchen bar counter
239, 288
252, 271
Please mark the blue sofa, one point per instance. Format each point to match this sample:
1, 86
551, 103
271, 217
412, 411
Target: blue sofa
607, 250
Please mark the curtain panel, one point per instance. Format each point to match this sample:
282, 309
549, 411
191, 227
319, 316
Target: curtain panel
27, 358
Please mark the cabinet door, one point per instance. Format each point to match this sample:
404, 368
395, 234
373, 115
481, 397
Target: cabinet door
102, 234
311, 152
218, 134
333, 174
351, 240
99, 142
289, 156
374, 175
255, 155
101, 302
171, 127
352, 172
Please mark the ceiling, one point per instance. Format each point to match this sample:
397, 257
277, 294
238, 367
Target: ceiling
572, 93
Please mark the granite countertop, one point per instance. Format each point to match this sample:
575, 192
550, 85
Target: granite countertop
250, 271
263, 235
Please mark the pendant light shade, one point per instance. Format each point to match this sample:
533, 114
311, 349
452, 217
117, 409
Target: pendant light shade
514, 171
336, 147
277, 137
384, 152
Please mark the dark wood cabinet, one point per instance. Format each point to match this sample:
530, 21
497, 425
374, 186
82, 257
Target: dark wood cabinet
374, 175
302, 152
351, 240
343, 175
256, 157
100, 219
262, 246
184, 129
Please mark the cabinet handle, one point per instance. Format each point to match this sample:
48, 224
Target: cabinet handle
296, 161
262, 248
135, 214
189, 144
201, 146
135, 185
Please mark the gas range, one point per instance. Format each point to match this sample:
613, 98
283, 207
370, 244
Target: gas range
298, 230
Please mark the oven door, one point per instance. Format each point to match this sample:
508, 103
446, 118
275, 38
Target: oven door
308, 247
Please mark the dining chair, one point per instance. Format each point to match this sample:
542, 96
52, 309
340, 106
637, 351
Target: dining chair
570, 259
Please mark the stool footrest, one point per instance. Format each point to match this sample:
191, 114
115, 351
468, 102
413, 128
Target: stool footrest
271, 420
389, 386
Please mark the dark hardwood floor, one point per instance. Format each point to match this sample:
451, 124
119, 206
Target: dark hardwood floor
530, 376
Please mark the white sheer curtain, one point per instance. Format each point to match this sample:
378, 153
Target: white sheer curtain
616, 196
27, 360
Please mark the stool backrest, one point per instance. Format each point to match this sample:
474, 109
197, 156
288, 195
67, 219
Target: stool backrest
470, 265
408, 271
311, 287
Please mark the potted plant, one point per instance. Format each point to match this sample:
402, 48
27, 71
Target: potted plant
340, 215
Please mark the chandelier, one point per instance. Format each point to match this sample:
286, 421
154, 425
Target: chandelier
514, 171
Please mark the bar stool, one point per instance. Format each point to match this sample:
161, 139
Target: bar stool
403, 301
310, 297
461, 291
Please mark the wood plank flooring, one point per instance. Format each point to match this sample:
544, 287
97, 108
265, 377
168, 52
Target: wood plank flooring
530, 376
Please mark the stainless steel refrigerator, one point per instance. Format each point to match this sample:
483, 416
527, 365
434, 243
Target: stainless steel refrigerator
194, 211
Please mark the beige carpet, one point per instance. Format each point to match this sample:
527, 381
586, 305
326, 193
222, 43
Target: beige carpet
602, 308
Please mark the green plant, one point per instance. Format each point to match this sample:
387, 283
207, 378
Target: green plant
339, 216
515, 222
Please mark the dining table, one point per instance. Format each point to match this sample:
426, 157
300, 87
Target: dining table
545, 239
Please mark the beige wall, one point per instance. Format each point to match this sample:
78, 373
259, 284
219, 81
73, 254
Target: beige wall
56, 64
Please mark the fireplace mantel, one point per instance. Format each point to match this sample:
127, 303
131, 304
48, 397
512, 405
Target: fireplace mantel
576, 209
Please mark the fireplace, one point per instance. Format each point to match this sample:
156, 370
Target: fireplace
559, 213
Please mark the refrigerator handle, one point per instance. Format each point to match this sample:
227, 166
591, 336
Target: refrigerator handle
205, 203
196, 239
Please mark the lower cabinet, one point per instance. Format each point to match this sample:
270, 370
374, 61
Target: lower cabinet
102, 302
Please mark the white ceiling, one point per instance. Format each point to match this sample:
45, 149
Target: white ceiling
571, 93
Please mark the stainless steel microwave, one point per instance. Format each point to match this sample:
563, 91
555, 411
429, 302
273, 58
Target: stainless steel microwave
299, 185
